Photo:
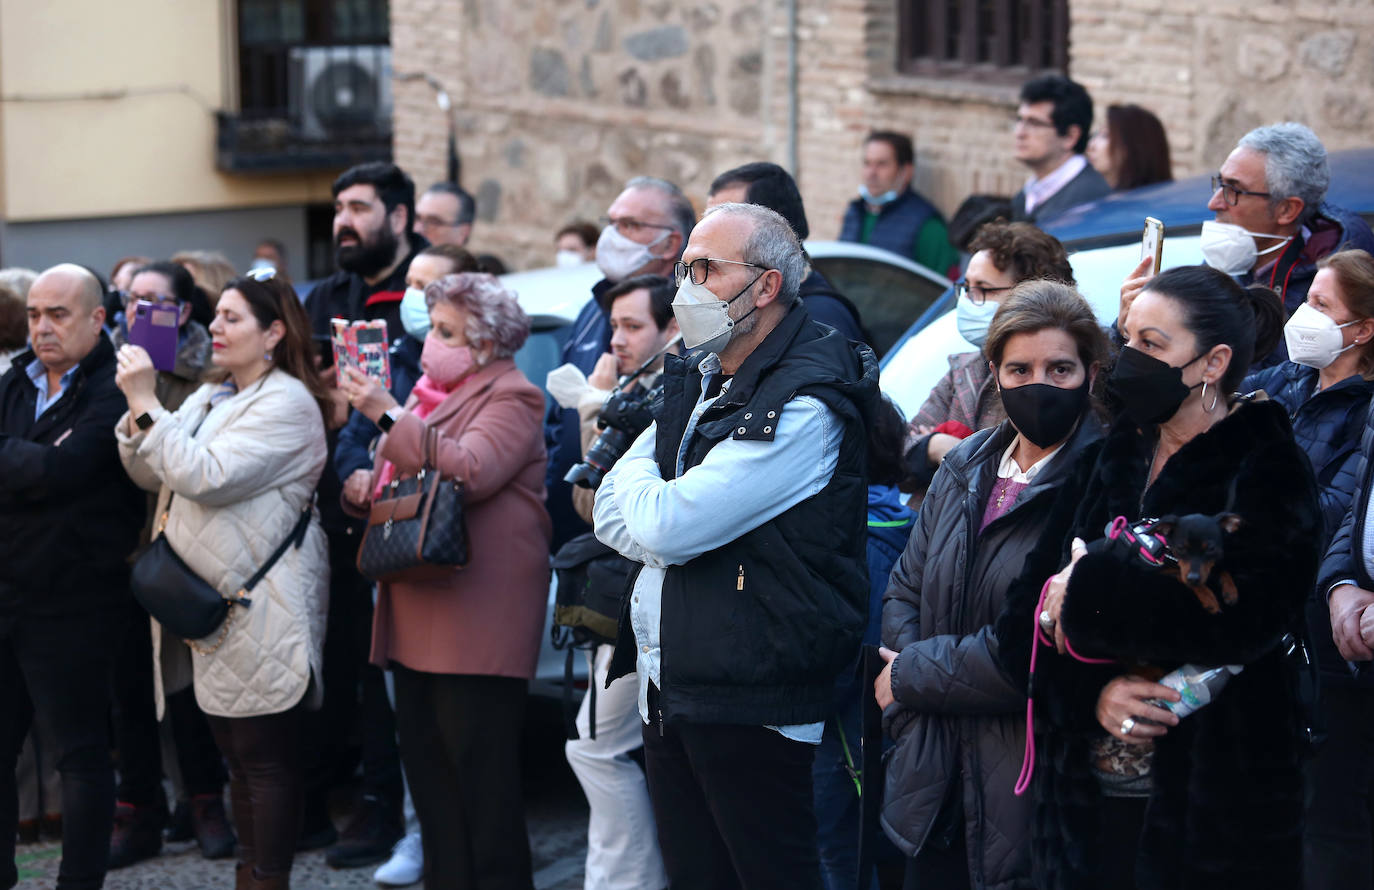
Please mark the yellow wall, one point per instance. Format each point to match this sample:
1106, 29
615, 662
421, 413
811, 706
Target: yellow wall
151, 150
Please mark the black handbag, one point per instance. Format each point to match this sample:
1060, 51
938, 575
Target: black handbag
181, 601
415, 529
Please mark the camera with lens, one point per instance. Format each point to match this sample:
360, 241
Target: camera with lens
624, 416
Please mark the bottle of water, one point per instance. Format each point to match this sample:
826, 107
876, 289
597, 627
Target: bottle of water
1196, 685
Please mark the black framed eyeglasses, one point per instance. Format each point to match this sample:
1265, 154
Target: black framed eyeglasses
1230, 193
263, 273
700, 268
976, 294
630, 227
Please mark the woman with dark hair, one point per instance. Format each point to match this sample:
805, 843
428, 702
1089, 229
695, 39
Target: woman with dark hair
957, 720
1132, 150
1236, 504
965, 399
237, 466
462, 648
1326, 388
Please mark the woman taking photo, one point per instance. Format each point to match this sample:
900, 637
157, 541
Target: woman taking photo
958, 722
463, 648
1223, 784
236, 466
1326, 389
965, 400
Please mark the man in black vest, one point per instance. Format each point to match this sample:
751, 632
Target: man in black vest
69, 518
889, 214
746, 503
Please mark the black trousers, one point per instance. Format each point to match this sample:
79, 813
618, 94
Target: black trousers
55, 671
460, 742
734, 807
1338, 842
266, 786
135, 723
354, 692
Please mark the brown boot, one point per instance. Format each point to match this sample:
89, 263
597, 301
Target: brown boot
243, 876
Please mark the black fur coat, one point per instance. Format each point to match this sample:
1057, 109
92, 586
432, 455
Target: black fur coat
1226, 803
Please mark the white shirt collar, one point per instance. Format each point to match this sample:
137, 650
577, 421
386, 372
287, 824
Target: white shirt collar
1009, 469
1038, 191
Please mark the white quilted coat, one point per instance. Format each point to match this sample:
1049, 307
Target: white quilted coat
241, 481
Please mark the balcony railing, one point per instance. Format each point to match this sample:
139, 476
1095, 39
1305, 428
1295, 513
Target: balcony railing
308, 107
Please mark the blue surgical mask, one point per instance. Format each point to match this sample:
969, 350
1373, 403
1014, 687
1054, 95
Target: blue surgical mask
886, 197
973, 319
415, 313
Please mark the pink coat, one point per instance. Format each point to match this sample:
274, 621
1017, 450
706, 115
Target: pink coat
489, 617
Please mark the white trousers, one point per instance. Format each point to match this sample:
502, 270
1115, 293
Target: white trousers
622, 841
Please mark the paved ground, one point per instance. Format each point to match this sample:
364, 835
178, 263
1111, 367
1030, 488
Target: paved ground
554, 806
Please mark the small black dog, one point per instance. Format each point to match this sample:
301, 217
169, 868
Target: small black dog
1195, 541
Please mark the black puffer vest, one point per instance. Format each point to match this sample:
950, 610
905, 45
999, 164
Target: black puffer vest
756, 631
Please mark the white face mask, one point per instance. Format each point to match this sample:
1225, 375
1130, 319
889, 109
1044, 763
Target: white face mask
703, 319
1228, 248
414, 313
973, 319
565, 258
619, 257
1313, 337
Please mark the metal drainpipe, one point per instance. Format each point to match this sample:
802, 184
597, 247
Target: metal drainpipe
793, 160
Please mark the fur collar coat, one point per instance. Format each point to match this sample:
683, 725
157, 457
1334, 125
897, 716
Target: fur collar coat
1226, 800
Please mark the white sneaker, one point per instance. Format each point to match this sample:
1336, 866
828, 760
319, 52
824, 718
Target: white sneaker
406, 865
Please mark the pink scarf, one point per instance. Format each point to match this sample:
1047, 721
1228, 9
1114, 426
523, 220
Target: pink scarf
427, 395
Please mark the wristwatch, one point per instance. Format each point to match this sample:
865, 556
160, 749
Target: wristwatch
388, 420
144, 421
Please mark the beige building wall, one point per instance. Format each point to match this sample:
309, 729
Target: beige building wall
557, 102
108, 109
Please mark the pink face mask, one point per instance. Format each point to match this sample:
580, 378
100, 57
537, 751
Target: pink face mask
445, 364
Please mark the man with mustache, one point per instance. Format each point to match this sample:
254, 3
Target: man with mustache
374, 214
69, 518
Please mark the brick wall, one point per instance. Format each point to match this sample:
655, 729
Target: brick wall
558, 102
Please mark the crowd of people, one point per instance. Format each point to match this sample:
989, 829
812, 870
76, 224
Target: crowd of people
1095, 614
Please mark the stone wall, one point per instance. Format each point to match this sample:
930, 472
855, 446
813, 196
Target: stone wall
558, 102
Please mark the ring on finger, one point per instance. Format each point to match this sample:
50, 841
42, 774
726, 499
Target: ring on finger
1127, 725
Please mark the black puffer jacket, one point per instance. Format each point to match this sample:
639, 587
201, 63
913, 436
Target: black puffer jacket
69, 516
1226, 799
958, 719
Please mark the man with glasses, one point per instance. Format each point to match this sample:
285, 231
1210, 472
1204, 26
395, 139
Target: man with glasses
890, 214
746, 503
444, 214
643, 233
1272, 222
1051, 131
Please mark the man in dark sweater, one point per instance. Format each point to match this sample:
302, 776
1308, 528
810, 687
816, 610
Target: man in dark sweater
69, 518
768, 185
374, 214
1051, 130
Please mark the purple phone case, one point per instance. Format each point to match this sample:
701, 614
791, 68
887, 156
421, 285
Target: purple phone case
154, 328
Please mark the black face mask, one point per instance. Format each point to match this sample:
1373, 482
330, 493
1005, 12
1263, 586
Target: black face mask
1150, 391
1043, 413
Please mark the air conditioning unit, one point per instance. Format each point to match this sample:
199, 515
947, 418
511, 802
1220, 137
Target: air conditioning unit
340, 92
